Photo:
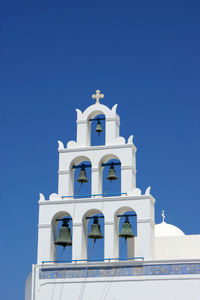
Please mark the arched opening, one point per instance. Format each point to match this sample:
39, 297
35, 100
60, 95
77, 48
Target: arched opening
110, 174
62, 227
126, 232
81, 177
97, 128
93, 224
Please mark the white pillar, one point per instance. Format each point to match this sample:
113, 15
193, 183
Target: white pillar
110, 240
145, 240
63, 178
127, 179
96, 181
83, 133
110, 131
66, 183
45, 243
77, 241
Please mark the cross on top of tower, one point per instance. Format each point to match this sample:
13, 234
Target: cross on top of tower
97, 96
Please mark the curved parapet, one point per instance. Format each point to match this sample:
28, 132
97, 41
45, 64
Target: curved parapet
79, 113
42, 198
114, 108
147, 192
54, 197
135, 192
60, 145
130, 139
72, 144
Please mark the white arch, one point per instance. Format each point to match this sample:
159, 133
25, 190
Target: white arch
108, 157
78, 159
96, 108
95, 113
124, 209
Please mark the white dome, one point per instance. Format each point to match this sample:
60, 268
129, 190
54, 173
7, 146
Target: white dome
165, 229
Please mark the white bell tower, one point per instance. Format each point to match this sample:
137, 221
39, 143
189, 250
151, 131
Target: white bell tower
131, 199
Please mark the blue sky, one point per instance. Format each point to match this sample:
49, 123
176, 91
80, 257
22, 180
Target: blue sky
143, 55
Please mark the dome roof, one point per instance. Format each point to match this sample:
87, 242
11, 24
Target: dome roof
165, 229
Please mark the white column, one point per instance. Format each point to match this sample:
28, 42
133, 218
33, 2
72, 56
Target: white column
127, 179
111, 131
44, 243
145, 239
110, 240
96, 181
77, 241
83, 133
63, 178
65, 183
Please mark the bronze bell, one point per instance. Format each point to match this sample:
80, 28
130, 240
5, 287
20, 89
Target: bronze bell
95, 232
98, 127
112, 174
126, 231
64, 237
82, 176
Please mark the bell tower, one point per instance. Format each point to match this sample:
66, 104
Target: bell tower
66, 203
74, 211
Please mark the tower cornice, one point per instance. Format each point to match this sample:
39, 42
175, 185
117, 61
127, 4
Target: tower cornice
66, 150
98, 199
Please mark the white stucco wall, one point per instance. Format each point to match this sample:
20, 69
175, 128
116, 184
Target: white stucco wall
165, 287
151, 289
177, 247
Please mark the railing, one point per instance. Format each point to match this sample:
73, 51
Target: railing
120, 259
94, 195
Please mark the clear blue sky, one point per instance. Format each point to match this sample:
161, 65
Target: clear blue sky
143, 55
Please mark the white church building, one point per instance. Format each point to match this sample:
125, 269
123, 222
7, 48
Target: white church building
161, 261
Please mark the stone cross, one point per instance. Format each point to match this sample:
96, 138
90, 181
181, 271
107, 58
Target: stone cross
163, 215
97, 96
